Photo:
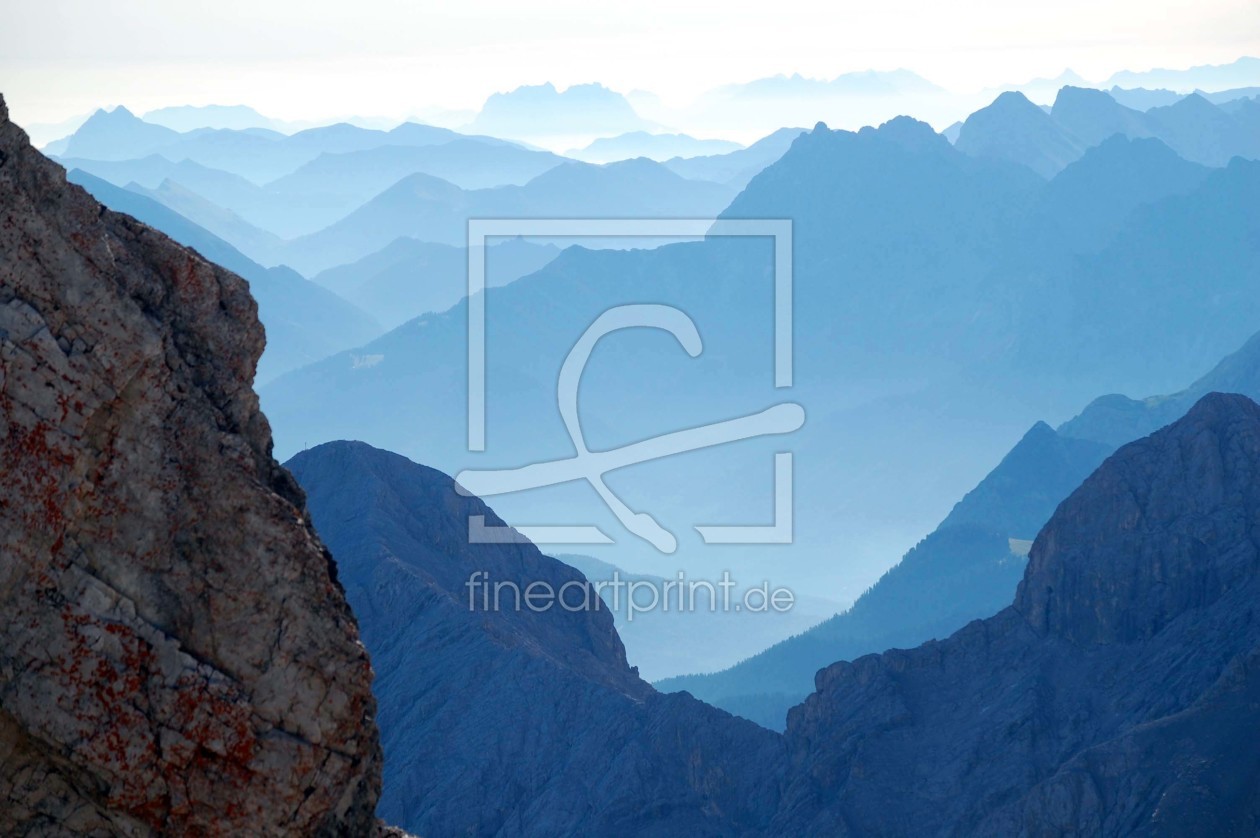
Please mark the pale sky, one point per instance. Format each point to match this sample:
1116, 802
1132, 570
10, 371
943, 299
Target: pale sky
308, 59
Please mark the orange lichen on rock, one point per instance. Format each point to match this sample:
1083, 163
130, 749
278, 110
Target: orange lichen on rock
173, 628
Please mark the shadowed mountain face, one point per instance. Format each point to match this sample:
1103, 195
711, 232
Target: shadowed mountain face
1116, 695
150, 539
1206, 133
514, 722
1086, 204
304, 321
967, 566
1182, 266
1093, 116
1101, 702
966, 569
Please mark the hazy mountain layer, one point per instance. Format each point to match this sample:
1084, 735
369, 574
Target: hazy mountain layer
407, 277
1014, 129
966, 569
936, 320
736, 168
659, 147
1116, 419
304, 321
430, 209
696, 633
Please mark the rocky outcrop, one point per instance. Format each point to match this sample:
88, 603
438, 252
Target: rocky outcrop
964, 570
176, 654
1119, 693
505, 720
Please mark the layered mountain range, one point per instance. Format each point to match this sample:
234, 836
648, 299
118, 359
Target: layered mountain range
180, 653
1113, 696
930, 287
1013, 128
969, 566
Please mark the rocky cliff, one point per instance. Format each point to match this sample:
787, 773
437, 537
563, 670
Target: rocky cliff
505, 720
176, 655
1119, 694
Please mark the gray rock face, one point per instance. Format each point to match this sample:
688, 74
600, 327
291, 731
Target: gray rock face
176, 654
1117, 695
506, 722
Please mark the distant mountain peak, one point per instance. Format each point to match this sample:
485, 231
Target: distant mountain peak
118, 113
1014, 100
117, 134
910, 133
1013, 128
1245, 71
1194, 102
542, 110
1069, 93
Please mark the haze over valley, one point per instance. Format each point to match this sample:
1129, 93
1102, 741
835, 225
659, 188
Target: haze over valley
881, 384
